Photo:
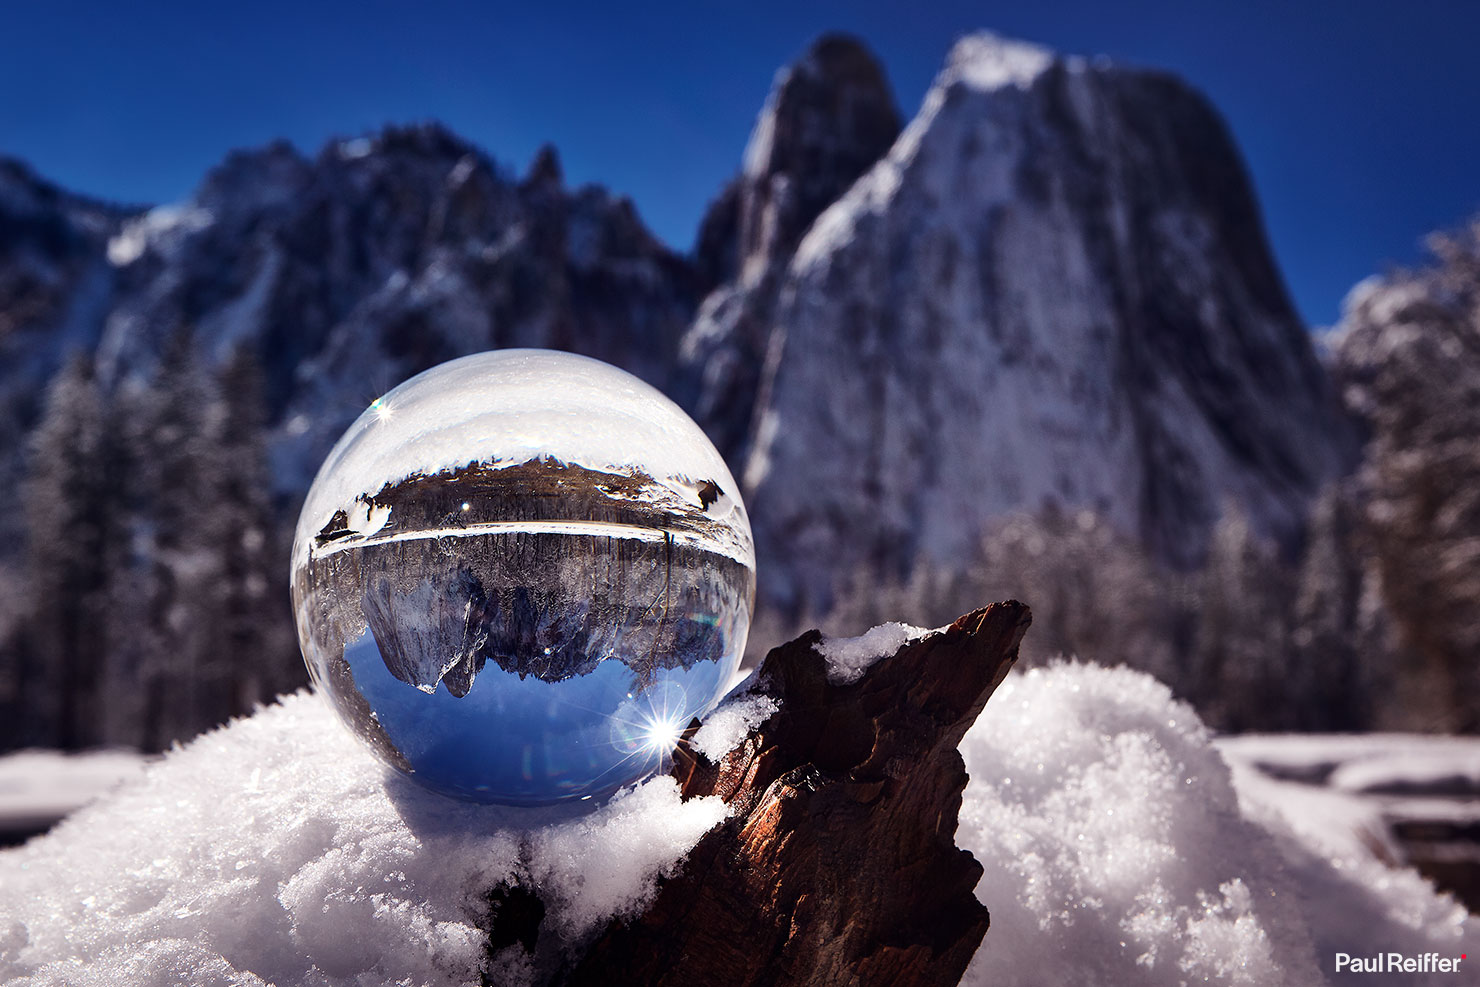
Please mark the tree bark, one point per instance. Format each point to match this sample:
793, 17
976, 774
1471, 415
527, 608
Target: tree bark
838, 863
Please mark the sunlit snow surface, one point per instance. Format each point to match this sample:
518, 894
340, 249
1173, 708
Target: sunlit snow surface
520, 575
1117, 851
277, 851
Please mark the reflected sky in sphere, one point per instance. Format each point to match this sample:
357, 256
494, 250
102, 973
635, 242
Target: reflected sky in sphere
535, 742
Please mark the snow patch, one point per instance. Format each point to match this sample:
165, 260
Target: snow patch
365, 518
727, 726
160, 223
235, 322
1404, 774
1394, 763
849, 657
1337, 825
604, 865
355, 148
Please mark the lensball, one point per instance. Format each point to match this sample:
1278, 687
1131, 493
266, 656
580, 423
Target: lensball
519, 575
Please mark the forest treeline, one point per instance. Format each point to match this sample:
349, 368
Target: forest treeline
154, 600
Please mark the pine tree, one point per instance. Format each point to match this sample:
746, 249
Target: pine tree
1238, 676
70, 500
256, 638
1343, 663
129, 641
175, 570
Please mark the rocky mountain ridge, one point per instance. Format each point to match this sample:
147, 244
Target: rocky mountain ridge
1050, 289
828, 118
1054, 291
384, 256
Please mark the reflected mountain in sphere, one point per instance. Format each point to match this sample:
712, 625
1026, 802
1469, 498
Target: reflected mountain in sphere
519, 575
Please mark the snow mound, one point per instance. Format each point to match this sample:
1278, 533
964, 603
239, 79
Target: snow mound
277, 850
849, 657
1116, 851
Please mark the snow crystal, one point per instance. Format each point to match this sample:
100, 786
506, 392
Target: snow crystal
277, 850
727, 726
848, 658
1115, 851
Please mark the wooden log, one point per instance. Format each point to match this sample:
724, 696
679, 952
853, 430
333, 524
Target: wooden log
838, 864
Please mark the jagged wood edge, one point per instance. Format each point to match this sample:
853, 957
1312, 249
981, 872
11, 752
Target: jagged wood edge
837, 864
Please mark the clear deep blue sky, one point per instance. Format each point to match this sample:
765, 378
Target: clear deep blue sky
1358, 119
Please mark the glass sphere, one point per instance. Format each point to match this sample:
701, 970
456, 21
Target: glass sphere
519, 575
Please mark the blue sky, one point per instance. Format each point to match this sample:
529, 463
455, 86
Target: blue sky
1357, 118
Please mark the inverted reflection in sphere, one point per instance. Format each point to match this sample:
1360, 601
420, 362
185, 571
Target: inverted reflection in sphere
519, 575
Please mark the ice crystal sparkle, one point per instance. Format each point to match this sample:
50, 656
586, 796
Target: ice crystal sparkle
520, 574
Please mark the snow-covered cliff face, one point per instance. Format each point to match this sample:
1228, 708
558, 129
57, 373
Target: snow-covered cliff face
383, 256
48, 239
1054, 290
828, 119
